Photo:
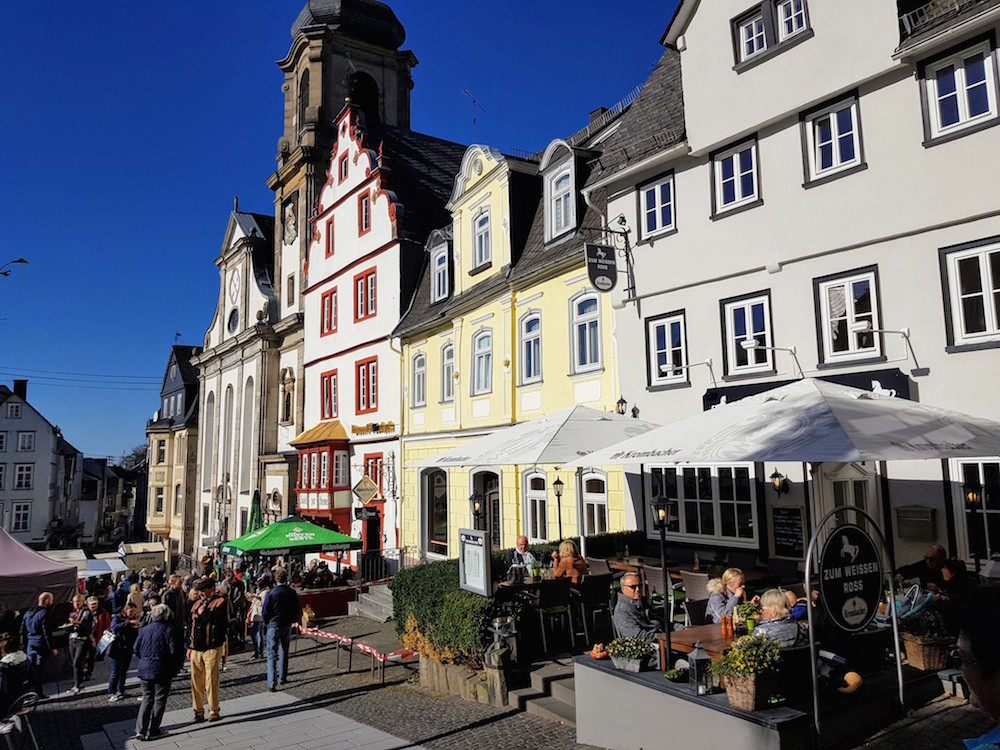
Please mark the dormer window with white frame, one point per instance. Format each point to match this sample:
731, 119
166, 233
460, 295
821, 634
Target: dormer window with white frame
561, 206
482, 249
959, 90
767, 28
439, 274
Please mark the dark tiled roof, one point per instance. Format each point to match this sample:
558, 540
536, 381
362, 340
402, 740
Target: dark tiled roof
921, 19
183, 354
654, 122
367, 20
256, 225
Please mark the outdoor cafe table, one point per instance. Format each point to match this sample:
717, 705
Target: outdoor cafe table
712, 640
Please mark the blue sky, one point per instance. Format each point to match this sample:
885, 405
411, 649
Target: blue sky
128, 127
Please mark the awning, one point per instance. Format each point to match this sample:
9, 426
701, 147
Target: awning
324, 432
104, 567
290, 535
75, 557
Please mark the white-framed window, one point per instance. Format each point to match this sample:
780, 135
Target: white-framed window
666, 349
536, 523
24, 476
849, 309
160, 497
791, 18
482, 362
324, 468
328, 383
585, 312
833, 139
748, 320
960, 90
481, 239
328, 312
768, 27
13, 411
448, 372
973, 278
735, 177
314, 471
341, 469
595, 503
161, 451
439, 274
531, 348
3, 441
710, 503
178, 500
561, 204
22, 517
419, 380
656, 206
752, 38
26, 441
982, 523
179, 408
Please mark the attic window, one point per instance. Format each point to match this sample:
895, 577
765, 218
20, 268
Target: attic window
560, 206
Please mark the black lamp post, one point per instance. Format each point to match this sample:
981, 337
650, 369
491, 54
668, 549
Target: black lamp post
661, 511
972, 491
558, 487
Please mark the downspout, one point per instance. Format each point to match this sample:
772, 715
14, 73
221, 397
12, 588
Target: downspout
514, 366
402, 423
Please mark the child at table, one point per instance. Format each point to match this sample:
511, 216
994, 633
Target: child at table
724, 594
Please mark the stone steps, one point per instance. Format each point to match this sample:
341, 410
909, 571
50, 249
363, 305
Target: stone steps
551, 694
375, 604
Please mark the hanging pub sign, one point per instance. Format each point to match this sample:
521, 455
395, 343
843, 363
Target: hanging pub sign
850, 577
602, 267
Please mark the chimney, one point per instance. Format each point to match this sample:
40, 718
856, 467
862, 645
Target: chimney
597, 113
21, 389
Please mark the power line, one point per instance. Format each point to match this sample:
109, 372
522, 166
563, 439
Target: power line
138, 387
155, 378
78, 380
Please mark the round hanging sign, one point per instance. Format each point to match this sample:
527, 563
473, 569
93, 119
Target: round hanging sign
850, 577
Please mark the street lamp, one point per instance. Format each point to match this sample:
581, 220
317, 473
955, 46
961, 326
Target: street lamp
558, 487
779, 482
661, 515
621, 405
972, 491
477, 508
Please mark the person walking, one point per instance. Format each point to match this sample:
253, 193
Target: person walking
281, 609
160, 651
125, 626
175, 597
209, 631
36, 635
255, 621
81, 639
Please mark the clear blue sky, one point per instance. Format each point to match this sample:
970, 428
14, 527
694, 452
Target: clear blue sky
127, 128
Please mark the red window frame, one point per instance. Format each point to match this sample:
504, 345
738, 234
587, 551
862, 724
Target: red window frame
328, 395
329, 237
364, 213
365, 302
342, 169
366, 375
328, 312
314, 454
374, 463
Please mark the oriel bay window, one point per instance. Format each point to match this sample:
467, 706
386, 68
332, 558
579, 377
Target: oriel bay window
711, 503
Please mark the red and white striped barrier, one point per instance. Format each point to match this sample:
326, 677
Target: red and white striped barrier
396, 656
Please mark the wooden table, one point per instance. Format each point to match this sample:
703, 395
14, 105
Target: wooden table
712, 640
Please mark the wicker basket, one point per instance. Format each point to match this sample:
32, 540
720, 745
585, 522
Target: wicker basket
927, 655
750, 693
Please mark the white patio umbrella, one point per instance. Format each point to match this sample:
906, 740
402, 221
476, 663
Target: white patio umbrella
809, 420
553, 439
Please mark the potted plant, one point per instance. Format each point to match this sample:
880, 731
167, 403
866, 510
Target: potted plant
749, 668
629, 654
926, 640
748, 612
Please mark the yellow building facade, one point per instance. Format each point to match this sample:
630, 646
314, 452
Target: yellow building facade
505, 327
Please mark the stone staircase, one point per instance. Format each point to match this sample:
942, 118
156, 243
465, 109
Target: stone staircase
551, 694
375, 604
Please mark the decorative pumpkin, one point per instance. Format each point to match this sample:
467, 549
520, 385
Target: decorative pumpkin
852, 681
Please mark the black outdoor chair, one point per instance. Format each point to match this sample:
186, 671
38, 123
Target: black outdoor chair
21, 708
592, 598
553, 606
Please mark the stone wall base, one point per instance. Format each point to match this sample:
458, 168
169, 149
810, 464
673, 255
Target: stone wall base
488, 688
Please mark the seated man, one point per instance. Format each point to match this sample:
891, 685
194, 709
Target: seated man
630, 615
928, 570
521, 555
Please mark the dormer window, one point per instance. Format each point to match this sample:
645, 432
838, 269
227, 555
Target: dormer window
481, 242
562, 204
439, 274
768, 28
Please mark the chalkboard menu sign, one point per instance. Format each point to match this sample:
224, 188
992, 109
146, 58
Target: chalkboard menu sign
787, 532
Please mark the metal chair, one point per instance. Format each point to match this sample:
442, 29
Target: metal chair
554, 605
21, 708
592, 598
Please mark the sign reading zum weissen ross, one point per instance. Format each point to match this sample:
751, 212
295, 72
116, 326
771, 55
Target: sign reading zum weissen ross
850, 577
602, 268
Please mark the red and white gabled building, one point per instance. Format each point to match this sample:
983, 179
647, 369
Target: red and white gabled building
386, 189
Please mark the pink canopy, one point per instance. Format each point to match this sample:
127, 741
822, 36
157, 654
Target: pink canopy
24, 574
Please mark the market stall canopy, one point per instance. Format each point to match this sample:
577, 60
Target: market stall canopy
102, 567
553, 439
810, 420
290, 535
25, 574
75, 557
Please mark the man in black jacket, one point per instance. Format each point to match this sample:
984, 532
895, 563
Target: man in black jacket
36, 635
176, 598
281, 609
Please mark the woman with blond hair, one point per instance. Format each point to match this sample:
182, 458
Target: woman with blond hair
135, 596
777, 622
569, 562
724, 594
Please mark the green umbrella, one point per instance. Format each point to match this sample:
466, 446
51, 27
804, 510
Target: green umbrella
290, 535
256, 517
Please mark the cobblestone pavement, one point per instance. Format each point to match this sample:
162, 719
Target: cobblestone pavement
942, 723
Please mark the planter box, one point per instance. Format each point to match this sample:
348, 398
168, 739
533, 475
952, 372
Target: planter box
927, 655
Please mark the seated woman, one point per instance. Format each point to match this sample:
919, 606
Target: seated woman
777, 622
724, 594
569, 562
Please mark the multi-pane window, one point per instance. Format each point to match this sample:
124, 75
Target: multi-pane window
448, 373
159, 500
342, 168
314, 470
595, 504
752, 37
329, 237
341, 469
562, 203
849, 316
328, 312
328, 391
748, 324
26, 441
22, 517
419, 380
364, 213
366, 386
364, 294
982, 522
536, 508
481, 239
161, 451
710, 502
586, 322
13, 411
974, 289
656, 205
833, 139
791, 18
373, 468
961, 90
531, 348
735, 177
436, 511
482, 363
24, 476
666, 349
767, 28
439, 275
324, 469
304, 479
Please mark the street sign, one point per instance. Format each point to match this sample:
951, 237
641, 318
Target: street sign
365, 489
850, 577
365, 514
602, 268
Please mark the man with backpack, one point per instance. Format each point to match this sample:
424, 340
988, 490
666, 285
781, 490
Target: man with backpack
210, 617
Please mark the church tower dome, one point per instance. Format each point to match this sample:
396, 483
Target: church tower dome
365, 20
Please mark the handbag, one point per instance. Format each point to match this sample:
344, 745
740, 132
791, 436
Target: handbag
105, 643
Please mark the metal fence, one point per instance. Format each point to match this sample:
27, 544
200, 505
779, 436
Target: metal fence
378, 565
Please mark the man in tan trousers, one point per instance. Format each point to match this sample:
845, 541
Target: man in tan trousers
209, 629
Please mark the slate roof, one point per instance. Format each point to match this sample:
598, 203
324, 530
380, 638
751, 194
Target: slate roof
183, 354
255, 225
923, 19
368, 20
654, 122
